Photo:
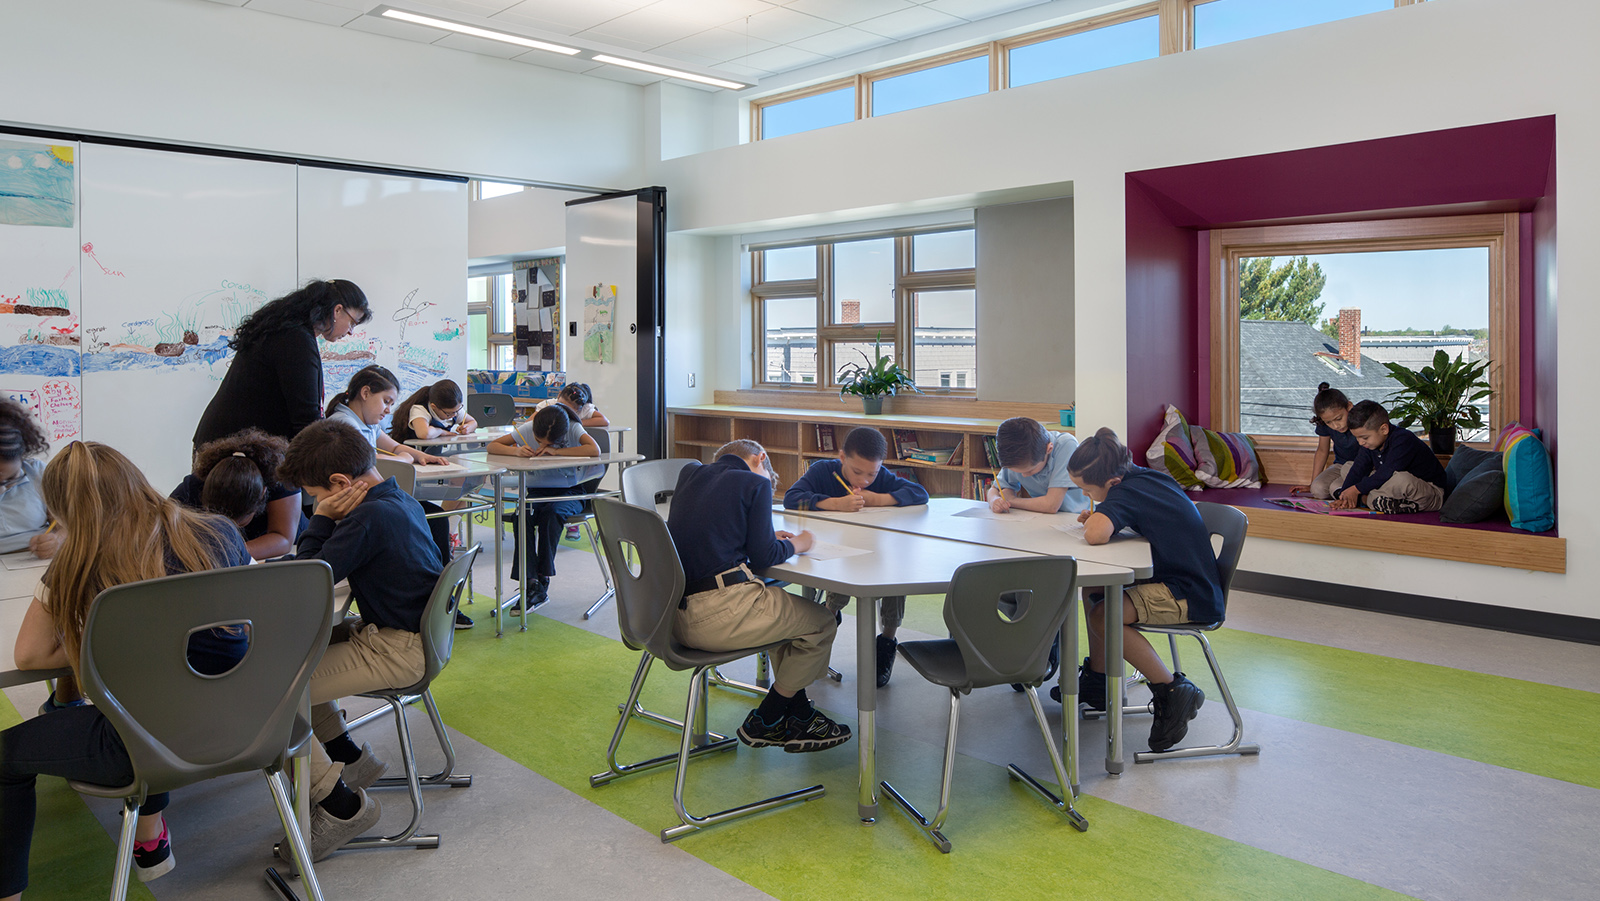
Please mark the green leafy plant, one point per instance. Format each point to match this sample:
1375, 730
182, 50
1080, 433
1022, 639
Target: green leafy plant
880, 377
1442, 397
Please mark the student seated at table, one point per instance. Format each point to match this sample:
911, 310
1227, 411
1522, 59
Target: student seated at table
1395, 472
721, 522
116, 529
578, 398
433, 411
858, 479
372, 533
1184, 585
552, 432
1035, 460
24, 524
236, 477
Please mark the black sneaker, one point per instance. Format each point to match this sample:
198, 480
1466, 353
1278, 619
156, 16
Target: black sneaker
1091, 688
757, 734
153, 859
1393, 505
1176, 703
813, 732
463, 621
886, 655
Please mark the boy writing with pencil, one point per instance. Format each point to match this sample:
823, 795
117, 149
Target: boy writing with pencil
1034, 460
856, 480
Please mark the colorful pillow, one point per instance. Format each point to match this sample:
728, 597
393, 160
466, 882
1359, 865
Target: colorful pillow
1530, 494
1173, 453
1225, 459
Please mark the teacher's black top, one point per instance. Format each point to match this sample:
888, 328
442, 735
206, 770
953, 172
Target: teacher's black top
275, 386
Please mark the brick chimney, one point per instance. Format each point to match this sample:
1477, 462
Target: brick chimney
1350, 336
850, 311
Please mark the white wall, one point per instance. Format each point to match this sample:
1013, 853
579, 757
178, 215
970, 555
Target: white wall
208, 74
1417, 68
520, 226
1025, 298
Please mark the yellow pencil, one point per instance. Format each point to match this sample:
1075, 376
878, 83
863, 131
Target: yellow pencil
999, 487
51, 528
844, 483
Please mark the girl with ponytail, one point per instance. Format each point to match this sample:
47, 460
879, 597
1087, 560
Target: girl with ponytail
236, 477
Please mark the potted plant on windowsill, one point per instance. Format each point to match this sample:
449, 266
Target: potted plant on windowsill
880, 378
1442, 397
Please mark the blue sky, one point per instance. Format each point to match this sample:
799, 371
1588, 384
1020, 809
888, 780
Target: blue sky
1423, 289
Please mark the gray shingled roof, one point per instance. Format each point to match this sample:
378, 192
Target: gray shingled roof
1279, 369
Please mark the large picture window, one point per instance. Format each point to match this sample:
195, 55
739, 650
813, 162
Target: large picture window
1301, 305
911, 296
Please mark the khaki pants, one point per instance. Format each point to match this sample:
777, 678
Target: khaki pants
359, 658
752, 614
891, 611
1405, 486
1327, 484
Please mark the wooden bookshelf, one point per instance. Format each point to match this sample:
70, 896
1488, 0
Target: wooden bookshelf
790, 436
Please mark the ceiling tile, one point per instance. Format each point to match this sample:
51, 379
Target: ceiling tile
782, 59
483, 46
557, 61
470, 7
973, 10
643, 29
360, 6
693, 59
309, 10
848, 12
781, 26
564, 16
748, 73
620, 73
710, 13
909, 23
841, 42
716, 45
393, 29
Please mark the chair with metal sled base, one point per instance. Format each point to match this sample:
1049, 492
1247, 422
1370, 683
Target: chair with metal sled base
647, 605
1230, 524
1003, 617
180, 726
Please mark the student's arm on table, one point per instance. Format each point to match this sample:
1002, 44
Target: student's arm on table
1049, 502
1097, 527
283, 518
417, 454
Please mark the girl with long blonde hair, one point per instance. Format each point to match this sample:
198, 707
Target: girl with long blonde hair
116, 529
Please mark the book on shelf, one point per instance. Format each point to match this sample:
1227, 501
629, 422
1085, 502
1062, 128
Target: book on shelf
991, 449
825, 438
939, 455
959, 454
905, 441
905, 472
980, 485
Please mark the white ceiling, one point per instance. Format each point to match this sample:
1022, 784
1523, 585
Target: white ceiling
745, 39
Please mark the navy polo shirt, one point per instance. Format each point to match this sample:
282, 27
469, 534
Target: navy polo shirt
1153, 505
384, 548
822, 481
1345, 445
722, 517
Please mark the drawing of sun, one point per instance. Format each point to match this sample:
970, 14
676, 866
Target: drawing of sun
62, 152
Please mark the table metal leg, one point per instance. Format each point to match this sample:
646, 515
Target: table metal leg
1069, 694
867, 707
522, 545
1114, 673
499, 538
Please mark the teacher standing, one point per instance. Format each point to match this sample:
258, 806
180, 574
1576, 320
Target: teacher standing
275, 381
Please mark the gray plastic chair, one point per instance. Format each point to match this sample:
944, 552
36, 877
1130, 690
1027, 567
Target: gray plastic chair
404, 473
651, 483
438, 640
647, 606
491, 409
1230, 524
181, 727
1003, 616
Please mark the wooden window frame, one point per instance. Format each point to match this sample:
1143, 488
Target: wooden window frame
827, 87
1496, 231
898, 333
1184, 19
870, 79
1004, 47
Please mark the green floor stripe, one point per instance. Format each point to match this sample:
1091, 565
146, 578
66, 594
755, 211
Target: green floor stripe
1526, 726
563, 682
72, 855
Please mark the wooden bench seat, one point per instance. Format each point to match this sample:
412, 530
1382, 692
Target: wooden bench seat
1493, 543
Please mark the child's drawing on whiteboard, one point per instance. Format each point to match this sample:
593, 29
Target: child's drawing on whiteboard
599, 317
449, 329
36, 184
194, 334
410, 310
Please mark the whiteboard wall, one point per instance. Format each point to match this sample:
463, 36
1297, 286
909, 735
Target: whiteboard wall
602, 257
183, 247
114, 318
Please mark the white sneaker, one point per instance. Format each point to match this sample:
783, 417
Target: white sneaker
365, 771
329, 833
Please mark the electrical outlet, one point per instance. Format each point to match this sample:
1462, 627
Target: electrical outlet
691, 380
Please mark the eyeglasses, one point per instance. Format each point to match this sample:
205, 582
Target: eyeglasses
366, 315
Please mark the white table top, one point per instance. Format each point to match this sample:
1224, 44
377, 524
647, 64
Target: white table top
539, 464
481, 436
899, 562
468, 468
938, 519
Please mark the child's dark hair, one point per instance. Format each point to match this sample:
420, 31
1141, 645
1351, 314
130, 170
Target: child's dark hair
552, 424
1021, 442
1327, 399
866, 443
374, 378
308, 307
20, 434
236, 471
443, 393
324, 449
577, 393
1101, 458
1369, 414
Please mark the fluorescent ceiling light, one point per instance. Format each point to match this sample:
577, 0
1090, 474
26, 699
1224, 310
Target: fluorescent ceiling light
501, 36
670, 73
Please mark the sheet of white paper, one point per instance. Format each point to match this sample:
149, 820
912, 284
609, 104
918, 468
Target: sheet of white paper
433, 469
23, 560
825, 551
1071, 527
986, 513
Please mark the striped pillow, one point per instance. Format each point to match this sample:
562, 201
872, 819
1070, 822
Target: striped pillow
1226, 459
1530, 494
1173, 453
